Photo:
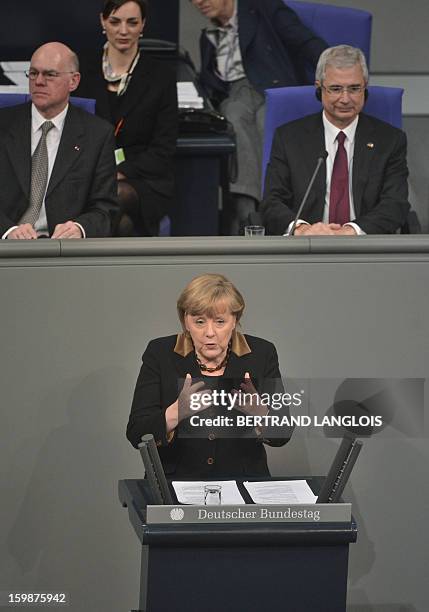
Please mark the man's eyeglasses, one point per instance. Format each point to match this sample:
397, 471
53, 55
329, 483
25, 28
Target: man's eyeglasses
338, 90
48, 75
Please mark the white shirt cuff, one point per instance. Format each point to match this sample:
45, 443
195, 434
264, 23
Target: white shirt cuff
289, 227
6, 234
81, 229
356, 228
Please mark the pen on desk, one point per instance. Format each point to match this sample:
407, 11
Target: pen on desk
118, 126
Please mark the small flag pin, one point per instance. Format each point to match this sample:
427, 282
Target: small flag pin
370, 145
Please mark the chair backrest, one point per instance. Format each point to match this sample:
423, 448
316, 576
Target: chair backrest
336, 24
12, 99
286, 104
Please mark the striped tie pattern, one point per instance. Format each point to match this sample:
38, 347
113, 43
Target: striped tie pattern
39, 177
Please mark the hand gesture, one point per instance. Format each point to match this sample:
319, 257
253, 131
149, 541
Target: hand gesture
251, 403
190, 398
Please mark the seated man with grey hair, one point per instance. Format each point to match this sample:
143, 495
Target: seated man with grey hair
362, 188
57, 163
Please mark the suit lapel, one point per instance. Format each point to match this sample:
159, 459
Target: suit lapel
19, 149
362, 158
186, 365
313, 145
247, 24
70, 148
138, 86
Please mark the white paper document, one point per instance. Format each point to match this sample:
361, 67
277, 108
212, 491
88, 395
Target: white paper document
15, 71
188, 95
281, 492
192, 492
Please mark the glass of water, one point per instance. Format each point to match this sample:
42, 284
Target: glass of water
212, 495
254, 230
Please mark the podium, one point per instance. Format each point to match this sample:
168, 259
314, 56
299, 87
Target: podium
245, 565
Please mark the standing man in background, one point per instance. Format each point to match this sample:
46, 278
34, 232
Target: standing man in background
251, 45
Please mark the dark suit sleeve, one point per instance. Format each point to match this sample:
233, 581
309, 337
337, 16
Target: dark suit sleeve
278, 202
152, 158
386, 193
147, 413
101, 202
297, 38
5, 222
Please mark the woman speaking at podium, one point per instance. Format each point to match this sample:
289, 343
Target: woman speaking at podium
138, 95
209, 355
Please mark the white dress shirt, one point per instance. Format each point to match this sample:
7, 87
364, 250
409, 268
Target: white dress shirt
226, 41
331, 146
53, 139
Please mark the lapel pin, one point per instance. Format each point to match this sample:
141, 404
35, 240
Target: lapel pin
370, 145
76, 148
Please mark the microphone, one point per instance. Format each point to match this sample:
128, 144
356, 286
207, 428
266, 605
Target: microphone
321, 158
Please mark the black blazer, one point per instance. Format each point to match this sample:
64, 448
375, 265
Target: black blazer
380, 189
158, 386
149, 111
82, 186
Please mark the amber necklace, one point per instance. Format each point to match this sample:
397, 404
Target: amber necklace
219, 366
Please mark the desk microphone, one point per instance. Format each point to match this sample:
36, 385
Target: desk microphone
323, 155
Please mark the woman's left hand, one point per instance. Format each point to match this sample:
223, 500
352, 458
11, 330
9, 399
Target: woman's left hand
252, 404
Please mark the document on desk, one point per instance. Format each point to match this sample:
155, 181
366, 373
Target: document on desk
187, 95
281, 492
192, 492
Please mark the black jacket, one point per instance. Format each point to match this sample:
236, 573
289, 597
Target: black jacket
160, 380
149, 112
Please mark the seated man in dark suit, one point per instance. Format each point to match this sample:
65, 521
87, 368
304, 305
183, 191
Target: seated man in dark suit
251, 45
363, 188
57, 164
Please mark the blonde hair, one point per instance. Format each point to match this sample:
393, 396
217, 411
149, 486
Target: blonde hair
207, 293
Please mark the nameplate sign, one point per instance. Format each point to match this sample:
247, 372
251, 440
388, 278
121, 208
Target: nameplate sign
250, 513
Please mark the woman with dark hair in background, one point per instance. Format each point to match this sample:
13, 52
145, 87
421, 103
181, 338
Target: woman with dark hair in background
138, 95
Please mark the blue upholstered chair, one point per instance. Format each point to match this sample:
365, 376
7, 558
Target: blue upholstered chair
12, 99
88, 104
286, 104
335, 24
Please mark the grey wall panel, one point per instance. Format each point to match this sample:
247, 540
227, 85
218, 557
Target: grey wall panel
417, 130
73, 333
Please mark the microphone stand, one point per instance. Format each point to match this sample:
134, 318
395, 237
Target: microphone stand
320, 161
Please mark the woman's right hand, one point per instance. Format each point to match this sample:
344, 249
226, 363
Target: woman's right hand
181, 408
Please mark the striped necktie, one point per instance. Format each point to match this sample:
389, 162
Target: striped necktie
39, 177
